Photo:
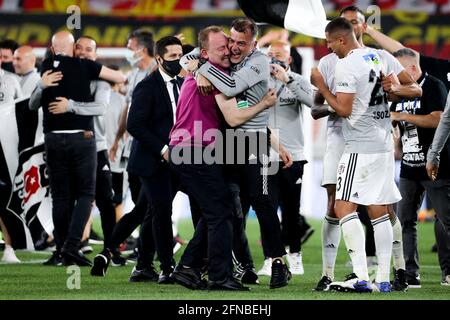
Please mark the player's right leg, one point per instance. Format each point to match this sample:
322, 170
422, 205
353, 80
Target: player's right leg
331, 236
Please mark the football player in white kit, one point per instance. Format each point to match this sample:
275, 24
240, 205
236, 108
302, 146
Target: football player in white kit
335, 147
366, 169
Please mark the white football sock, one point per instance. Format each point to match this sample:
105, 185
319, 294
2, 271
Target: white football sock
331, 236
382, 231
354, 238
397, 244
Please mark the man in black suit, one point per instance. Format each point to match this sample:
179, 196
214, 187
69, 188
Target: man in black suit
150, 120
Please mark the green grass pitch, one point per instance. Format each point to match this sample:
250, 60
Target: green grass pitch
32, 280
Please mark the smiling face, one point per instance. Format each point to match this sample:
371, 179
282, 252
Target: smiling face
85, 48
24, 60
241, 44
217, 50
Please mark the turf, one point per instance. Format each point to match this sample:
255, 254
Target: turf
31, 280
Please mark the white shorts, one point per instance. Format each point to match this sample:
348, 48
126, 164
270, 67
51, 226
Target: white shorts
367, 179
333, 153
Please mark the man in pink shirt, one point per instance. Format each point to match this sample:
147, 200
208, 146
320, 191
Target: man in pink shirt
193, 141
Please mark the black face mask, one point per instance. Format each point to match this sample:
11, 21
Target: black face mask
8, 66
280, 63
173, 68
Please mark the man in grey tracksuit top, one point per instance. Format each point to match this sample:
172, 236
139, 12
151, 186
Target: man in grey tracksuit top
249, 82
293, 91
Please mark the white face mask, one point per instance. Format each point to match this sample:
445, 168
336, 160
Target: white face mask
132, 57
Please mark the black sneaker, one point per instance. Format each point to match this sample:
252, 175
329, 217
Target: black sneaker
118, 261
399, 283
75, 257
229, 284
190, 278
280, 274
246, 274
145, 275
55, 260
101, 263
413, 281
324, 284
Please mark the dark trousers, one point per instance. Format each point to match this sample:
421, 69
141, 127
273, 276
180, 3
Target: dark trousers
241, 249
72, 162
205, 183
130, 221
412, 192
135, 186
160, 190
104, 197
259, 189
289, 190
117, 185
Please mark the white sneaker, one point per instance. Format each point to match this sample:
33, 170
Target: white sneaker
295, 263
9, 256
446, 281
266, 269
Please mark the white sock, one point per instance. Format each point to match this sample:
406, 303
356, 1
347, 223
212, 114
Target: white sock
331, 236
354, 238
382, 231
397, 245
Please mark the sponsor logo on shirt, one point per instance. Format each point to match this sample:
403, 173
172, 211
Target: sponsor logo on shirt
255, 69
342, 84
371, 58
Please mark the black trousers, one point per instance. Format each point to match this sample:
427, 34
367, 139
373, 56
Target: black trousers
241, 249
206, 184
117, 185
71, 161
104, 198
412, 192
129, 222
160, 190
288, 191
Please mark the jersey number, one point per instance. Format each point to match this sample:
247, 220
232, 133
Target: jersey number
378, 95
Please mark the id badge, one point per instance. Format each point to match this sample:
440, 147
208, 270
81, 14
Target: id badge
410, 139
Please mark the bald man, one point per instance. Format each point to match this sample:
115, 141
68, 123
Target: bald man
24, 62
69, 142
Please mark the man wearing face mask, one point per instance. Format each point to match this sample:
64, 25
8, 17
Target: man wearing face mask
141, 58
286, 117
7, 48
154, 102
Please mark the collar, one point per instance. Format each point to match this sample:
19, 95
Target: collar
422, 78
165, 76
29, 72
